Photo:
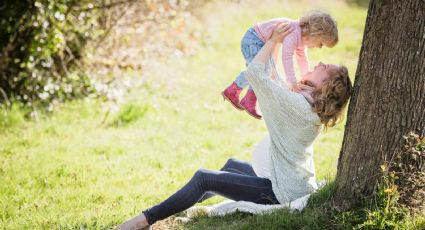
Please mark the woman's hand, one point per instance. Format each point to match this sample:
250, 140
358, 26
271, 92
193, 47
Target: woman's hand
280, 32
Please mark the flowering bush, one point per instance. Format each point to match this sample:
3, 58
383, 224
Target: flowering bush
41, 43
47, 46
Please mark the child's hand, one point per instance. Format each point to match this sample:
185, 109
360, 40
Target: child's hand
280, 32
305, 88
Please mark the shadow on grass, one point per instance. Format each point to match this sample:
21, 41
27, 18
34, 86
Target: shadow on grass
317, 215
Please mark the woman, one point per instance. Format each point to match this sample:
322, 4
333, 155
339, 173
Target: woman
283, 168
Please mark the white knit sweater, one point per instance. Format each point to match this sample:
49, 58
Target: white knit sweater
260, 158
292, 126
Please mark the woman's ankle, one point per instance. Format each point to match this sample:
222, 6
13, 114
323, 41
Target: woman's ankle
137, 222
142, 221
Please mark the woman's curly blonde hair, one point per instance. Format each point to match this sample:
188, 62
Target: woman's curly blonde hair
320, 25
331, 99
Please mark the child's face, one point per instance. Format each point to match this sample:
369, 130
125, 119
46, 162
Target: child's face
314, 42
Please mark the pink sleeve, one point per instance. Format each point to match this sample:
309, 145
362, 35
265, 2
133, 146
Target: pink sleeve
288, 48
302, 59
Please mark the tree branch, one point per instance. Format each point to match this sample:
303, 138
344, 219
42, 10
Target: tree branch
6, 99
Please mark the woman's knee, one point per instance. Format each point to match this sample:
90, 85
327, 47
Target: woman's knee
232, 159
229, 162
200, 175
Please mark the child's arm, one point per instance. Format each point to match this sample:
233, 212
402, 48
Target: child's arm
275, 54
288, 48
302, 59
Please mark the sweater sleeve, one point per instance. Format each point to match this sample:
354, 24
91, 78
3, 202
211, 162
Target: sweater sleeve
302, 59
282, 109
288, 48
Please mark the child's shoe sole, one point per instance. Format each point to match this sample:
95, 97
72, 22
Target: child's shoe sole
231, 102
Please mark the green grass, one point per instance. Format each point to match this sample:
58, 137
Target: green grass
70, 169
129, 113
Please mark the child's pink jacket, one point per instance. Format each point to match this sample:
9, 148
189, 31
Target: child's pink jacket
292, 43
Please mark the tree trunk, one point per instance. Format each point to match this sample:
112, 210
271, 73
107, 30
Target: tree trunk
388, 99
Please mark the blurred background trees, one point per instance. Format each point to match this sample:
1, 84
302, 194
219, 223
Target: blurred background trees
51, 51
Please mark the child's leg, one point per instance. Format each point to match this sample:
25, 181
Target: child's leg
251, 44
275, 74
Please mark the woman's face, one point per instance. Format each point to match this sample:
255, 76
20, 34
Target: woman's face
320, 74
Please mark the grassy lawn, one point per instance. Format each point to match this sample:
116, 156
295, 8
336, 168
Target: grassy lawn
69, 171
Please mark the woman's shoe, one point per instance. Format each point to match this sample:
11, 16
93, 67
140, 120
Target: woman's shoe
249, 103
231, 93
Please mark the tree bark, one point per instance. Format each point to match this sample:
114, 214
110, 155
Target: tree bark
388, 98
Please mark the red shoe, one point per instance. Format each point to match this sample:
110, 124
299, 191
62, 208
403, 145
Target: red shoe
249, 103
231, 93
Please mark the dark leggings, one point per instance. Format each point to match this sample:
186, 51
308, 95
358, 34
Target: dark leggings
236, 181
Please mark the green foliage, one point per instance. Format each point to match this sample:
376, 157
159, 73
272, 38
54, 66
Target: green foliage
11, 117
129, 113
42, 42
386, 213
47, 47
361, 3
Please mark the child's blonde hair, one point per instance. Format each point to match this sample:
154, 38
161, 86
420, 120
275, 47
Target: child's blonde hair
320, 25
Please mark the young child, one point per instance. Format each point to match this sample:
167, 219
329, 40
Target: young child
313, 30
